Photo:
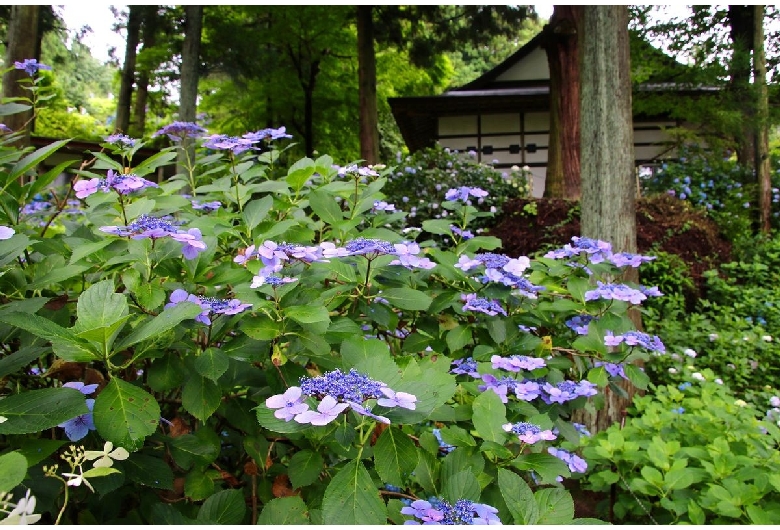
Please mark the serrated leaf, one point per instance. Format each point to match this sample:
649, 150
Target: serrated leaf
352, 498
201, 397
325, 207
163, 322
555, 506
256, 211
198, 485
212, 363
224, 507
489, 414
458, 337
546, 466
407, 299
461, 485
125, 414
38, 410
305, 468
518, 497
307, 314
284, 511
395, 456
261, 327
427, 472
637, 376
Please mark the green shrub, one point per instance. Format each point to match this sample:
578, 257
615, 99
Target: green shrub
692, 454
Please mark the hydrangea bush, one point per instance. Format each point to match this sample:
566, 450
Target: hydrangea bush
691, 453
282, 356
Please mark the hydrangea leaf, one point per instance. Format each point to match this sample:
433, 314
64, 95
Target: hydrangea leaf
489, 414
224, 507
518, 497
284, 511
125, 414
38, 410
395, 456
352, 498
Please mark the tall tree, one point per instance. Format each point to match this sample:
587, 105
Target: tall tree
22, 43
134, 19
563, 154
608, 176
762, 115
369, 128
190, 66
149, 30
741, 27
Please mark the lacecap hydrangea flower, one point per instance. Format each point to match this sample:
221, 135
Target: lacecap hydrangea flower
336, 391
122, 184
156, 228
210, 306
439, 512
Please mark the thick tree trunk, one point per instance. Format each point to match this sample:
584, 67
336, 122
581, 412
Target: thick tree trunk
563, 155
149, 38
608, 174
124, 100
22, 43
741, 32
190, 63
369, 130
762, 130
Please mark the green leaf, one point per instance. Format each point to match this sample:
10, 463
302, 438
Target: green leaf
46, 329
201, 397
518, 497
578, 287
33, 159
598, 376
13, 468
458, 337
638, 377
325, 207
284, 511
555, 506
438, 226
395, 456
198, 485
352, 498
37, 449
166, 373
224, 507
6, 109
757, 516
125, 414
427, 472
43, 181
457, 436
38, 410
304, 468
266, 418
653, 476
261, 327
20, 359
307, 314
150, 164
99, 309
189, 448
696, 514
546, 466
10, 249
462, 485
299, 173
408, 299
489, 414
256, 211
59, 274
680, 479
163, 322
96, 472
212, 363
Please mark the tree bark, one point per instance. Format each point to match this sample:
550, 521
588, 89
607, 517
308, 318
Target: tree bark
741, 32
608, 174
762, 129
134, 18
149, 39
563, 162
22, 43
369, 130
190, 63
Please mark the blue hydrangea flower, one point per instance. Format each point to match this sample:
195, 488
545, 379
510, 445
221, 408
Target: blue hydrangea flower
465, 366
575, 463
179, 130
30, 66
156, 228
529, 433
515, 363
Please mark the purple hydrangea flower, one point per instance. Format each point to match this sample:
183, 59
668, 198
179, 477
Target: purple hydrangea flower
363, 411
210, 306
396, 399
463, 192
122, 184
327, 411
6, 232
609, 291
157, 228
424, 511
120, 139
211, 206
567, 391
382, 206
623, 259
30, 66
465, 234
529, 433
580, 323
288, 405
407, 256
223, 142
635, 338
515, 363
614, 370
465, 366
268, 134
575, 463
78, 427
596, 250
179, 130
482, 305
